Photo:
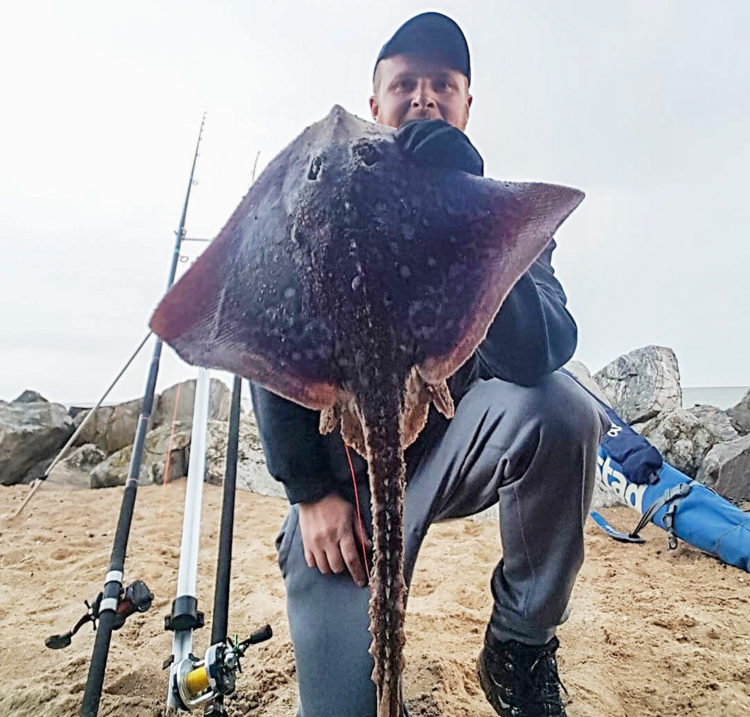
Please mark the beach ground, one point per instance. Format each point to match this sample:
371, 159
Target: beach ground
652, 631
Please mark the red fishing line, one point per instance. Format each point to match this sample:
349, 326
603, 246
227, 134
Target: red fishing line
359, 512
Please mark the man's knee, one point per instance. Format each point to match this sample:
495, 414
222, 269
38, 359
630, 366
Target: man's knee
566, 413
557, 414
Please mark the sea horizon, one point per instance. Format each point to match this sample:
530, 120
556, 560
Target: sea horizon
722, 397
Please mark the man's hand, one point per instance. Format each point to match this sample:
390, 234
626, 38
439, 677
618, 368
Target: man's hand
436, 143
330, 537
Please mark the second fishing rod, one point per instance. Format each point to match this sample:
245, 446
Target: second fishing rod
204, 683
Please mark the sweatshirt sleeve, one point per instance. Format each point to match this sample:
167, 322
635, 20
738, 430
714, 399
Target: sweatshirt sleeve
294, 448
533, 334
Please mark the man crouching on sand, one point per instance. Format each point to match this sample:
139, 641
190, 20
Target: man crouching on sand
524, 434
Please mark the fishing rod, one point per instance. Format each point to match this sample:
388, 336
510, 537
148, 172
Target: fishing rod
194, 683
225, 685
185, 616
113, 585
226, 531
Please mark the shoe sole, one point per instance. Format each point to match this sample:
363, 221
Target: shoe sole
487, 686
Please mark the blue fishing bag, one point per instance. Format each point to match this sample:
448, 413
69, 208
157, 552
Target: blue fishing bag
685, 508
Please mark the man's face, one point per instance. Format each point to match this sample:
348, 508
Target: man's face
409, 87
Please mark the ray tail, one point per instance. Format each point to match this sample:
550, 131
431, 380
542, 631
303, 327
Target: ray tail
382, 429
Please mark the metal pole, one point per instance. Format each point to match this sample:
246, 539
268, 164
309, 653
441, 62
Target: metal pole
113, 582
187, 579
87, 418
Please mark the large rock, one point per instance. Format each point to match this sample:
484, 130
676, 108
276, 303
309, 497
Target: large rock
740, 414
38, 470
726, 469
685, 436
220, 398
111, 427
114, 471
75, 470
642, 383
252, 473
29, 396
30, 433
72, 470
77, 413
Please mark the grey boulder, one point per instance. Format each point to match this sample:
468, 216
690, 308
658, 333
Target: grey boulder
686, 435
111, 427
31, 432
252, 473
740, 415
75, 469
114, 471
642, 384
183, 394
29, 396
726, 469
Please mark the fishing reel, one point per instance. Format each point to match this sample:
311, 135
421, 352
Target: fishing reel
197, 682
134, 598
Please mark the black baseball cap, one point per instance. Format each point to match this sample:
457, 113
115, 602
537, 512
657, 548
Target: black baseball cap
433, 35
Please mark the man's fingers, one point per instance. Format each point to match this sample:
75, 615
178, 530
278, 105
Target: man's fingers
321, 560
353, 563
335, 559
331, 538
310, 559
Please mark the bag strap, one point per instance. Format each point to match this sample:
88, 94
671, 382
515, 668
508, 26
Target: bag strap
671, 497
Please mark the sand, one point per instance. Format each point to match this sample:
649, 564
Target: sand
652, 632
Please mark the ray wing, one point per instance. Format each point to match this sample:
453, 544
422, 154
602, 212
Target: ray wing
462, 250
245, 306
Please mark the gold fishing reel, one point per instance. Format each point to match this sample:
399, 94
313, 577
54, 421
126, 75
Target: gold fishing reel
198, 682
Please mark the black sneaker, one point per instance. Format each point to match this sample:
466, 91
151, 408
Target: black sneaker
521, 680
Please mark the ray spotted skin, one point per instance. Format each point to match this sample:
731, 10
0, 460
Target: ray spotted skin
355, 282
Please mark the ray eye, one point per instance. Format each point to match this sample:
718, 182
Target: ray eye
368, 152
315, 166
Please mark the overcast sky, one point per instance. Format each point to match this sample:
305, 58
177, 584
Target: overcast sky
642, 104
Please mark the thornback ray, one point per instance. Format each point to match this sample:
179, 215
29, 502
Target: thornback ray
355, 281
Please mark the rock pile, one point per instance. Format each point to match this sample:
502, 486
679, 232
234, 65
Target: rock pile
32, 431
643, 386
704, 442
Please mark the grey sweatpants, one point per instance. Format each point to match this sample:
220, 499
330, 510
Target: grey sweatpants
533, 450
